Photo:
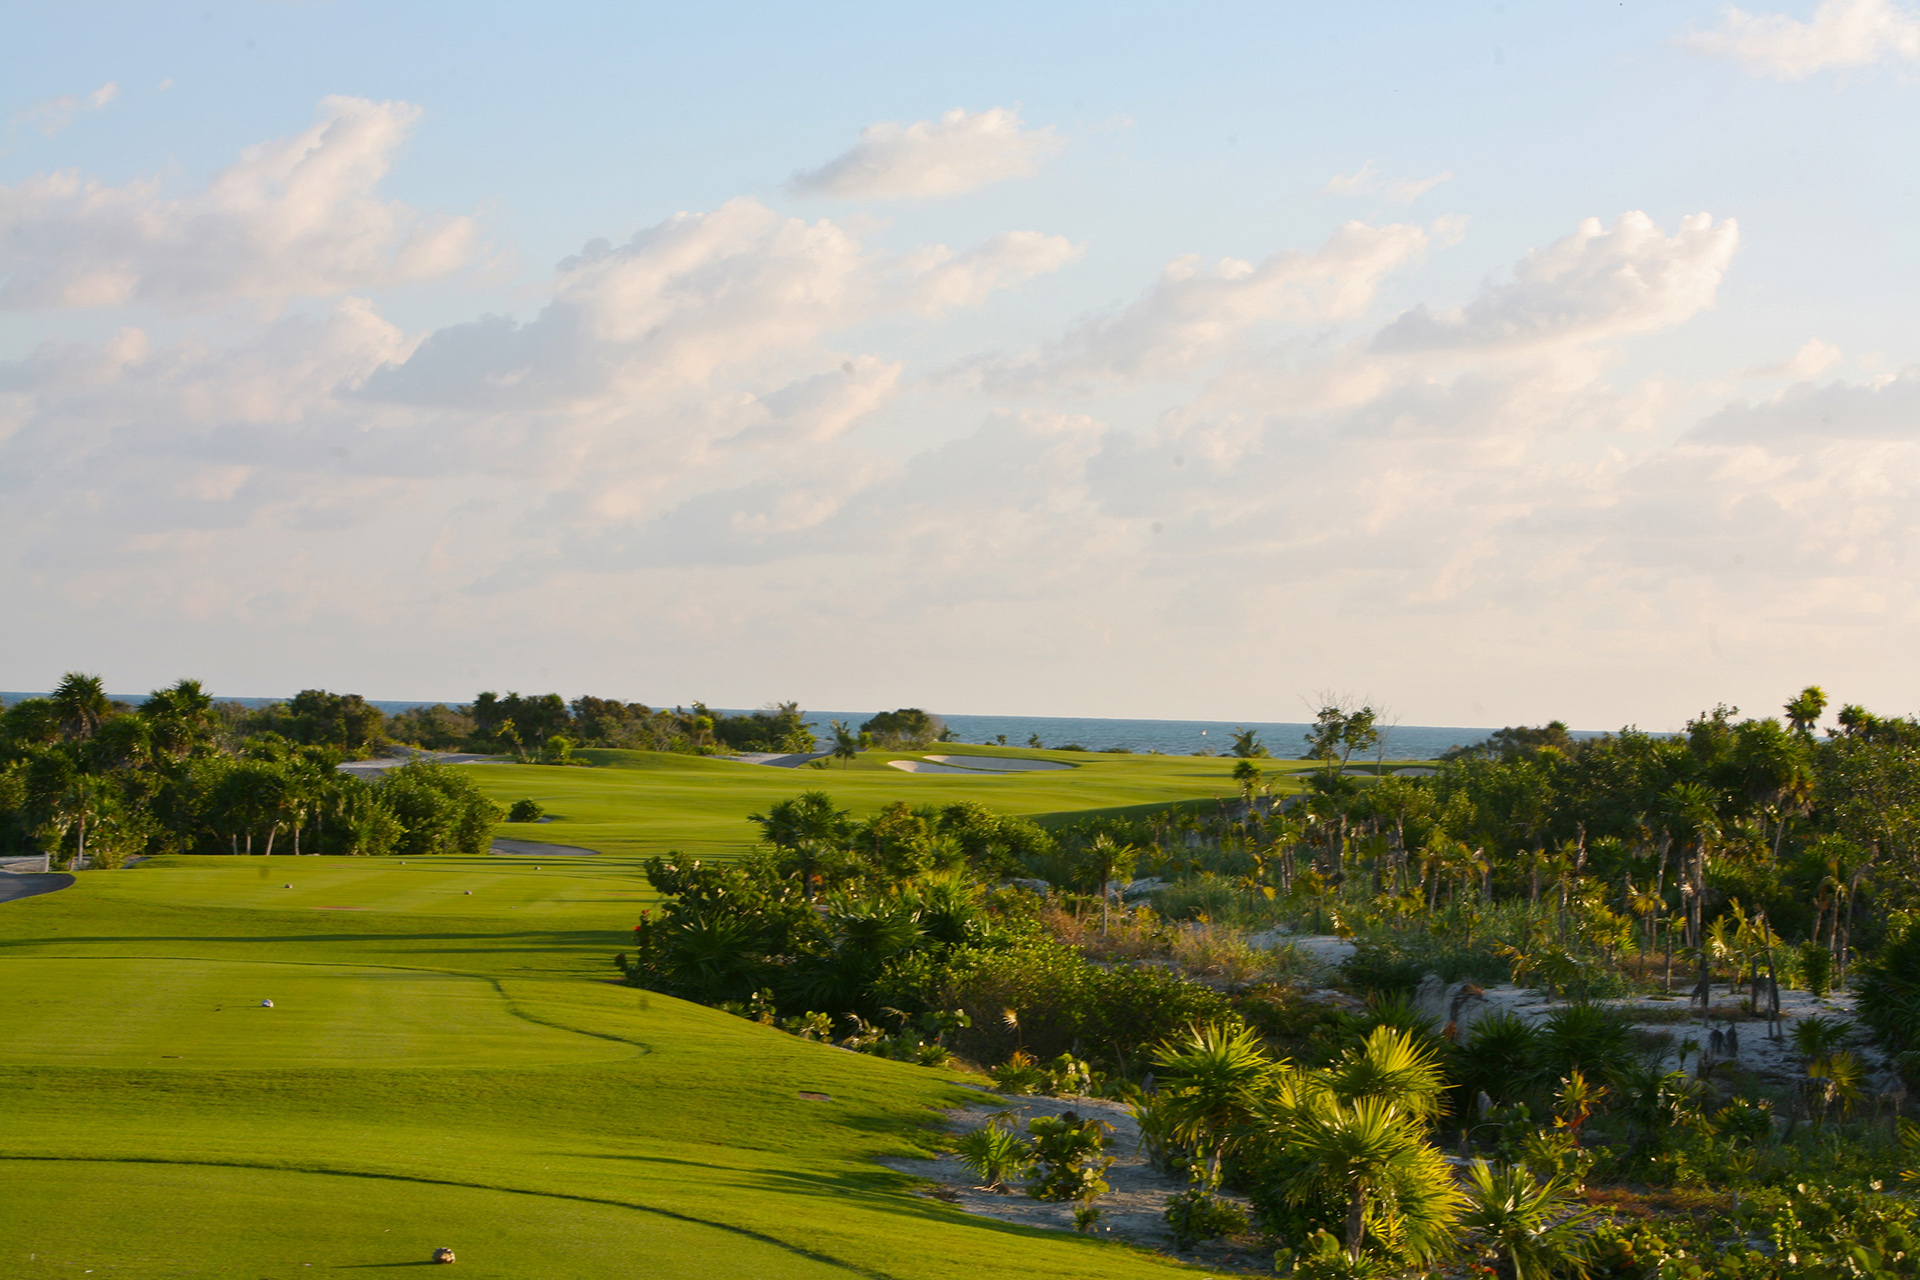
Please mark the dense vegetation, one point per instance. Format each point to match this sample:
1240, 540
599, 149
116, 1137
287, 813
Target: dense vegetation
91, 782
1740, 858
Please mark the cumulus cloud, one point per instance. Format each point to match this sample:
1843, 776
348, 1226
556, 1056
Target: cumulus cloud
295, 216
942, 279
962, 151
1840, 34
696, 301
1810, 361
51, 115
1197, 310
1366, 180
1594, 285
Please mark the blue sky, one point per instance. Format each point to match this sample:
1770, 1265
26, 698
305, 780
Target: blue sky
1498, 361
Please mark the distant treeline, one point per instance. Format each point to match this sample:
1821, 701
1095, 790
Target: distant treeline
86, 778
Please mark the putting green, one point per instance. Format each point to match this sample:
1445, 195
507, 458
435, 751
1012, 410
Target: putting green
203, 1013
153, 1220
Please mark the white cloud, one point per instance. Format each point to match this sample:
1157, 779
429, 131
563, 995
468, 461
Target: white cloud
1810, 361
1196, 312
1840, 34
1594, 285
942, 279
295, 216
1407, 190
962, 151
1366, 180
49, 116
1363, 179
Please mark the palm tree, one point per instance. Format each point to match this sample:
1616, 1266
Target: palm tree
1394, 1067
1211, 1082
845, 745
81, 703
1398, 1189
1803, 712
182, 715
1106, 857
1529, 1229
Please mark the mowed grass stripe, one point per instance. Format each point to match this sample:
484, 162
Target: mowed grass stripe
200, 1013
258, 1221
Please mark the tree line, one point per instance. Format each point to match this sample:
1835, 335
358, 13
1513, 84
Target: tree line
91, 781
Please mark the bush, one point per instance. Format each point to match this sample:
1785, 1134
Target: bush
1815, 964
440, 810
525, 811
1195, 1215
1069, 1153
1397, 962
1887, 999
995, 1155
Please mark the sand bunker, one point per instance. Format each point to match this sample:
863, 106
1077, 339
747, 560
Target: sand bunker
540, 849
997, 764
923, 766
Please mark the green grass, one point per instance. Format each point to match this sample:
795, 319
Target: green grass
648, 802
438, 1069
448, 1060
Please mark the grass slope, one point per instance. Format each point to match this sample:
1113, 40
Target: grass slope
438, 1069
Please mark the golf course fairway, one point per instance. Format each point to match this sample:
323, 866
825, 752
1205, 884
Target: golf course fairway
447, 1061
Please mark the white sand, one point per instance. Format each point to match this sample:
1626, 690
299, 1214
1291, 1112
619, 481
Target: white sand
923, 766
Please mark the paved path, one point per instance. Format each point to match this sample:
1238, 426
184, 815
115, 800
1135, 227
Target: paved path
27, 886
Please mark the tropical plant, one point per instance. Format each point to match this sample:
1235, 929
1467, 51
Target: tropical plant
1816, 1036
1527, 1228
1211, 1080
1069, 1157
1399, 1193
995, 1155
1198, 1213
1393, 1067
1887, 997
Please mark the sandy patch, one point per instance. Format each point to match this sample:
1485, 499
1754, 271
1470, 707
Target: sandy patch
778, 759
1134, 1209
927, 766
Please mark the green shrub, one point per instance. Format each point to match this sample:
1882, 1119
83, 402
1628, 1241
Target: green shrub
1069, 1156
1887, 998
525, 811
1815, 965
995, 1155
1196, 1214
1501, 1058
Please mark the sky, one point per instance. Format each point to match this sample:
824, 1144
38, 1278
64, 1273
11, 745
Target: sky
1494, 362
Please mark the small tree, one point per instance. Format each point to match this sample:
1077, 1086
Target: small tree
1107, 858
845, 745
